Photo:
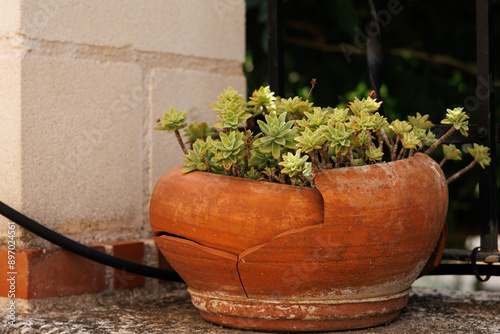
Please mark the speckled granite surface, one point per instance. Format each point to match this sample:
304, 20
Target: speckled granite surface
428, 311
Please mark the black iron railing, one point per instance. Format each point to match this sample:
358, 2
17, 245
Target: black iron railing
484, 133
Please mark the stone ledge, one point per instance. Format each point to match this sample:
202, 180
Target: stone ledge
428, 311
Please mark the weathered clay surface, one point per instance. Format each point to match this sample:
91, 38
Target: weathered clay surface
197, 263
376, 228
427, 311
228, 213
298, 315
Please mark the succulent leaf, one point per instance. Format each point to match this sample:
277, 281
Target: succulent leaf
458, 119
262, 99
411, 140
293, 163
293, 106
198, 155
400, 127
339, 115
309, 140
420, 121
367, 105
314, 120
230, 149
252, 174
172, 120
276, 129
480, 154
374, 154
338, 138
197, 130
451, 152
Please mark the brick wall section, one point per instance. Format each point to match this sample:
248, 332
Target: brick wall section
51, 272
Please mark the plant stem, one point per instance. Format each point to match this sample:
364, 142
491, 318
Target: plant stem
327, 164
280, 179
442, 162
461, 172
313, 83
351, 156
440, 140
228, 170
207, 163
247, 150
339, 160
314, 159
412, 152
386, 139
304, 179
237, 169
380, 142
394, 149
179, 139
401, 153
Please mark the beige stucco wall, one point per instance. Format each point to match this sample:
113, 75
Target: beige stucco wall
81, 86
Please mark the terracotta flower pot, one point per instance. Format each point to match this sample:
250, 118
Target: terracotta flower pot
267, 256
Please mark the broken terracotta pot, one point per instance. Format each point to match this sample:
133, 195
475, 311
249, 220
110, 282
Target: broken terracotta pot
266, 256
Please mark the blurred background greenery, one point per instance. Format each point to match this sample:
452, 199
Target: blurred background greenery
430, 59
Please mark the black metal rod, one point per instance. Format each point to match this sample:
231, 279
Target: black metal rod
85, 251
466, 255
486, 122
275, 45
375, 51
465, 269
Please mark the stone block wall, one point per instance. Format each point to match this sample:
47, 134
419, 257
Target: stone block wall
82, 84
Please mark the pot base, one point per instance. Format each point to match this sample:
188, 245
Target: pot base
298, 315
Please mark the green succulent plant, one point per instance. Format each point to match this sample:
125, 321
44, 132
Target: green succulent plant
297, 139
338, 138
295, 106
295, 166
278, 135
420, 122
233, 113
253, 174
366, 105
338, 116
197, 130
173, 121
458, 119
481, 156
450, 152
313, 120
374, 154
262, 100
428, 138
293, 163
310, 140
229, 95
230, 149
200, 157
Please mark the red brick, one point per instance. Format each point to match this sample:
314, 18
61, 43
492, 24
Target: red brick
131, 251
51, 272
